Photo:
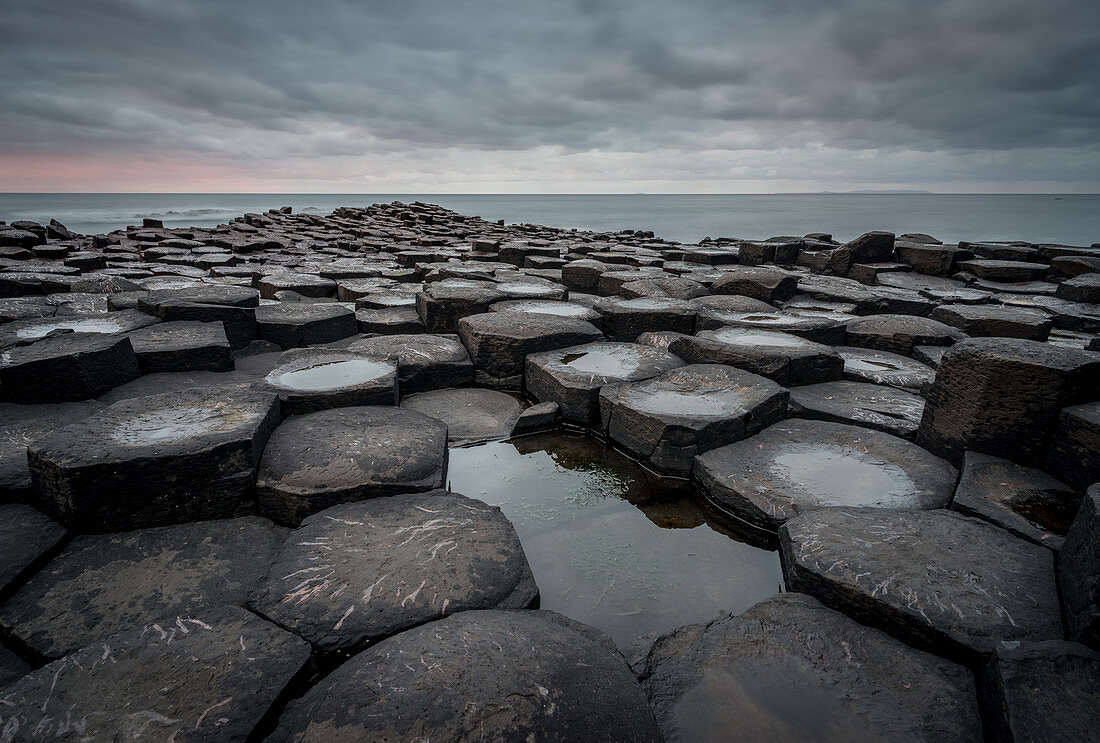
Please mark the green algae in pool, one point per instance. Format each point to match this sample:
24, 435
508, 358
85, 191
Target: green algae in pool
610, 544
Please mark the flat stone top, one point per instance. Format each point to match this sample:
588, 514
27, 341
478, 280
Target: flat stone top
698, 391
362, 571
173, 422
937, 575
478, 675
322, 370
1089, 412
546, 307
732, 303
469, 413
994, 312
797, 465
650, 304
884, 367
104, 583
596, 364
300, 312
210, 675
907, 324
524, 325
413, 349
789, 669
92, 322
771, 339
178, 333
234, 296
1018, 350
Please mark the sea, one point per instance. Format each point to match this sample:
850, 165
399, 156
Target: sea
1072, 219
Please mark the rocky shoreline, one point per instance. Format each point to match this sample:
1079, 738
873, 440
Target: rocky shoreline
225, 515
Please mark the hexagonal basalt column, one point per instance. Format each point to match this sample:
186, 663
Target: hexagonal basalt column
670, 418
182, 346
781, 357
335, 456
825, 330
499, 342
1002, 396
1075, 447
293, 325
471, 414
148, 461
798, 465
312, 379
765, 284
935, 579
443, 303
626, 319
572, 377
444, 553
884, 367
69, 367
1079, 572
900, 333
872, 405
424, 362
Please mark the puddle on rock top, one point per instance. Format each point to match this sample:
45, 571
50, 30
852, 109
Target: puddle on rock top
758, 338
170, 424
835, 475
614, 361
610, 544
94, 325
712, 402
331, 375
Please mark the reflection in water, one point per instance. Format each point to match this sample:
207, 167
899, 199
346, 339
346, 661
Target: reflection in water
610, 544
331, 375
839, 475
170, 424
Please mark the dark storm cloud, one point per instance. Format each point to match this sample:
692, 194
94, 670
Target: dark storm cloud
250, 79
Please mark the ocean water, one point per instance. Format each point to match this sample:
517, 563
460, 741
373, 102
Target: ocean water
1070, 218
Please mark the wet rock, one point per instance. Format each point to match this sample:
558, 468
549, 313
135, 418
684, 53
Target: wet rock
1024, 501
296, 325
389, 321
219, 294
1075, 446
425, 362
443, 303
900, 333
23, 425
105, 583
182, 346
884, 367
342, 455
672, 287
782, 357
936, 579
549, 307
150, 461
935, 260
572, 377
1002, 396
490, 674
736, 678
1079, 572
1044, 691
469, 414
766, 284
68, 367
311, 379
209, 675
544, 416
798, 465
238, 322
27, 540
1005, 271
499, 342
307, 285
444, 553
12, 667
994, 320
626, 319
871, 405
824, 330
27, 331
24, 308
731, 303
1084, 288
670, 418
583, 275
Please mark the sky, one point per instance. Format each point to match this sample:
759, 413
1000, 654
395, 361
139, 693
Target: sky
549, 96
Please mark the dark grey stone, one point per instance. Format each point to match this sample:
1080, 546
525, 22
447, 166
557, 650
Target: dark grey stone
766, 284
1079, 572
789, 669
1074, 451
23, 425
995, 320
311, 379
499, 342
886, 409
884, 367
105, 583
182, 346
27, 539
900, 333
626, 319
293, 325
69, 367
443, 303
784, 358
425, 362
824, 330
493, 675
936, 579
469, 414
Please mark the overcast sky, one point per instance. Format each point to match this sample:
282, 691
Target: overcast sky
549, 95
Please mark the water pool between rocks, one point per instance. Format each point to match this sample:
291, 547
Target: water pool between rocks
609, 543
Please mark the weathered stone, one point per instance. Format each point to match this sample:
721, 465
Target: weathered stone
68, 367
1002, 396
871, 405
342, 455
210, 675
499, 342
425, 362
156, 460
496, 675
782, 357
1079, 572
311, 379
789, 669
549, 307
824, 330
798, 465
995, 320
469, 414
110, 323
900, 333
219, 294
626, 319
1041, 691
12, 667
572, 377
23, 425
444, 553
182, 346
766, 284
105, 583
27, 539
389, 321
1084, 288
1005, 271
307, 285
543, 416
935, 260
291, 325
443, 303
1074, 451
670, 418
673, 287
884, 367
1024, 501
936, 579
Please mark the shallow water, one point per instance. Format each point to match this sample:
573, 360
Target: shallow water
611, 361
714, 402
610, 544
757, 338
836, 475
332, 375
169, 424
93, 325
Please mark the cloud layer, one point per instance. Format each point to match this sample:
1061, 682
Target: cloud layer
572, 95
